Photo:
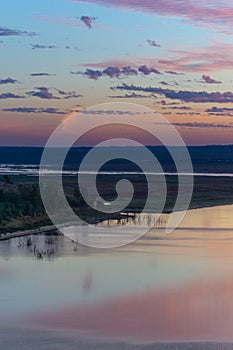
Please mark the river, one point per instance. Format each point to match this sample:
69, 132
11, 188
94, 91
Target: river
168, 289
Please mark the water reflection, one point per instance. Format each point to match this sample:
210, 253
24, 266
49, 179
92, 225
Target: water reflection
39, 246
204, 218
161, 288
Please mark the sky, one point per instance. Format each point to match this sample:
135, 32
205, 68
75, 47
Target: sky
175, 57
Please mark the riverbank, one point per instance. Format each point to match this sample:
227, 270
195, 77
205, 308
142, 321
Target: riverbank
23, 233
26, 216
54, 230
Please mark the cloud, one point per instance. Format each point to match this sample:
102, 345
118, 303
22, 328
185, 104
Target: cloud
172, 72
49, 110
38, 46
207, 59
14, 32
186, 108
116, 72
209, 13
41, 75
133, 95
69, 94
202, 125
7, 95
221, 114
218, 110
122, 66
43, 93
111, 112
202, 96
153, 43
111, 72
93, 74
118, 62
8, 81
149, 89
88, 21
212, 58
207, 79
187, 96
146, 70
127, 70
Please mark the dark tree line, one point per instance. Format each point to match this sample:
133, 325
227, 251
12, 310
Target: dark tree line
21, 201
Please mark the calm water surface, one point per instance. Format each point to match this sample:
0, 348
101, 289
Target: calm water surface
162, 288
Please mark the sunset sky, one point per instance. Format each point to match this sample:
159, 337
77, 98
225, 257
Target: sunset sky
174, 56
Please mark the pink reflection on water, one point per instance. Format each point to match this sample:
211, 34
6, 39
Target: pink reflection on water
196, 311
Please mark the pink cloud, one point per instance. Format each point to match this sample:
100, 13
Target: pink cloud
121, 62
217, 57
209, 12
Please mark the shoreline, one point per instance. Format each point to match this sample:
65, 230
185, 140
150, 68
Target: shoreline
23, 233
50, 228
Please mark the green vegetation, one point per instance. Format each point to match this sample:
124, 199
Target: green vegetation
19, 202
21, 206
